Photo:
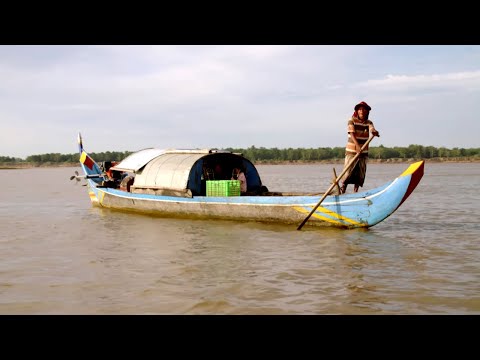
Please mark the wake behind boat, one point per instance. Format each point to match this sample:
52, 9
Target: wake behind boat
195, 184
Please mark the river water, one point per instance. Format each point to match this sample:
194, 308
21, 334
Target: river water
60, 255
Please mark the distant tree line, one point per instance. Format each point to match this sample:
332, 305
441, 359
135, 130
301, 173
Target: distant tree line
263, 154
379, 152
57, 158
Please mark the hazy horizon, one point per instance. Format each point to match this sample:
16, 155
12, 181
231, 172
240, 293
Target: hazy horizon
258, 147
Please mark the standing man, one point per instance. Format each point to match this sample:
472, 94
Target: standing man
359, 128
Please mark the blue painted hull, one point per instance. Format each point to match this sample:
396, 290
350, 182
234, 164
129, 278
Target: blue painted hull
359, 210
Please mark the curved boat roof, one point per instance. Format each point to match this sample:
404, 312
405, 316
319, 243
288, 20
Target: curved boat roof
168, 171
134, 162
137, 160
182, 170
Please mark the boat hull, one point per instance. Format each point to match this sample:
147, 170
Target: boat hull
358, 210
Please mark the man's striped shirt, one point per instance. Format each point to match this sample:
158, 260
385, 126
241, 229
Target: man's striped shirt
362, 130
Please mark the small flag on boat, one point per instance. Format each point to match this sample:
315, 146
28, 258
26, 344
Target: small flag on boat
86, 160
80, 145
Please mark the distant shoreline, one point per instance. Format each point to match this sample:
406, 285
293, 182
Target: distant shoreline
298, 162
373, 161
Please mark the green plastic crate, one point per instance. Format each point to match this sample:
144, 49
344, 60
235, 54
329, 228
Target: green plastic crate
223, 187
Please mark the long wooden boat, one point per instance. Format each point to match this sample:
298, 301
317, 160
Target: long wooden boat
175, 183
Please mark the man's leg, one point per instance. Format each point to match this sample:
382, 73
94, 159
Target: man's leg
355, 188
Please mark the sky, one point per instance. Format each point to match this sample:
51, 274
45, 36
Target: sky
132, 97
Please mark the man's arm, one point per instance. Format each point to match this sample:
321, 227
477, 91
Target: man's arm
373, 130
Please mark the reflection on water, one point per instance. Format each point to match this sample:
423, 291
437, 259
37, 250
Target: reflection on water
60, 255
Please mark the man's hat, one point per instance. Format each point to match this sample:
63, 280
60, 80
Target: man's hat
364, 104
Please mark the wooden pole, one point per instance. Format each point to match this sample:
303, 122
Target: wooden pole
336, 181
334, 177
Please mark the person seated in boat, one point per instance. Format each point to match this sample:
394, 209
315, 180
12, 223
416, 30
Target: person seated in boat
207, 172
238, 174
218, 172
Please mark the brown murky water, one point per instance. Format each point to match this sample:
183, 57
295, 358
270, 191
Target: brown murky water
60, 255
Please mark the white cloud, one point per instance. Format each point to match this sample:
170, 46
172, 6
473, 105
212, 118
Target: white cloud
465, 80
276, 96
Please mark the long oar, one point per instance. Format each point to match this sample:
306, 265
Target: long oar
336, 181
